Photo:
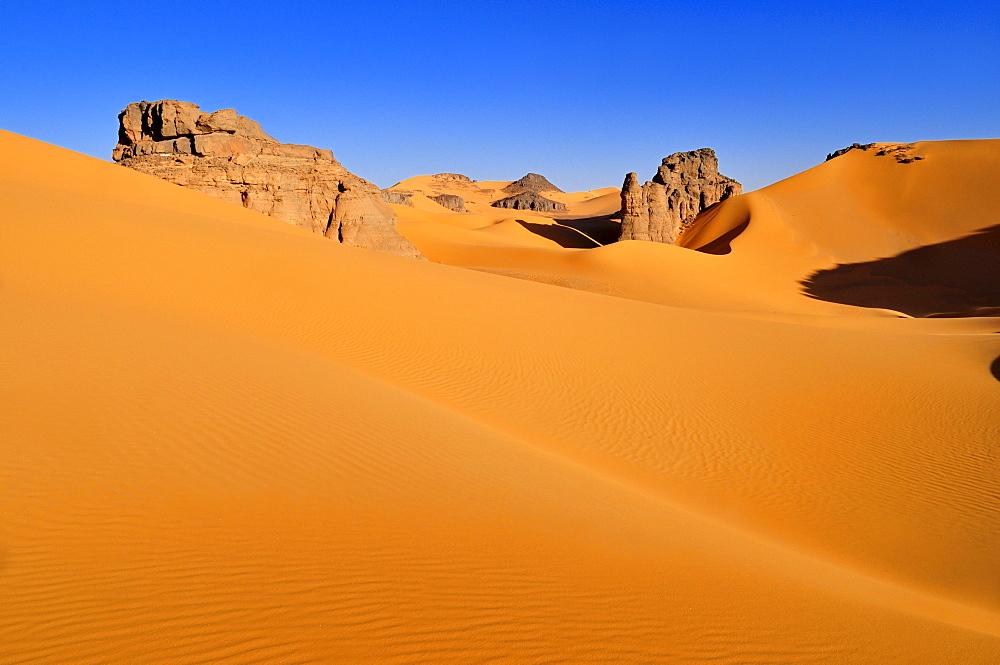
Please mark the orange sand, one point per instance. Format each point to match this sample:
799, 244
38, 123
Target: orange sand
225, 440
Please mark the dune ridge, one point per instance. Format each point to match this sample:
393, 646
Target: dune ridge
229, 441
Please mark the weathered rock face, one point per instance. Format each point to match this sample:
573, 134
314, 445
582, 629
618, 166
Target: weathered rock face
397, 196
450, 201
232, 158
531, 182
685, 184
452, 177
529, 201
635, 209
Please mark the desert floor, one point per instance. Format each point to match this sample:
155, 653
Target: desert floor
225, 440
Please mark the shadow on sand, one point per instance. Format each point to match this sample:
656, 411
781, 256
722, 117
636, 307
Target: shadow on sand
723, 244
954, 278
581, 233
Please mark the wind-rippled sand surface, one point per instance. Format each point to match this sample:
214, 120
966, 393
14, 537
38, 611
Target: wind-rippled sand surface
227, 441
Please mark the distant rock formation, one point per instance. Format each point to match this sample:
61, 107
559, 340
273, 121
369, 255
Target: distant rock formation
450, 201
397, 196
901, 152
529, 201
685, 184
445, 177
844, 151
232, 158
531, 182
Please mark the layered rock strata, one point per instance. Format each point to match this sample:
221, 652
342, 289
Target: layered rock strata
529, 201
685, 184
231, 157
398, 197
532, 182
455, 177
450, 201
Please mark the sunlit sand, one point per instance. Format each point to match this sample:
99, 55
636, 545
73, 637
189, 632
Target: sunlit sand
227, 440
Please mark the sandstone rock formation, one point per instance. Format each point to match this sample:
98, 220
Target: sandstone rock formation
397, 196
232, 158
685, 184
529, 201
531, 182
450, 201
445, 177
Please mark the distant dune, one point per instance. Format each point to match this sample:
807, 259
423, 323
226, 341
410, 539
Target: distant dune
228, 440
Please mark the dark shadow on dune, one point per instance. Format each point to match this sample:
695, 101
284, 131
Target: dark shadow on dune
721, 245
995, 369
955, 278
601, 228
565, 236
582, 233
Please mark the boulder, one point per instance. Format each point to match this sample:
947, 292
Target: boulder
231, 157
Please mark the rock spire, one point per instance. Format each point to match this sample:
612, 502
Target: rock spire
685, 184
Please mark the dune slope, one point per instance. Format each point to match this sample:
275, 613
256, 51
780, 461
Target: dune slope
227, 441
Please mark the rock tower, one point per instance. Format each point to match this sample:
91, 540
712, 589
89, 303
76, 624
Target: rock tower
685, 184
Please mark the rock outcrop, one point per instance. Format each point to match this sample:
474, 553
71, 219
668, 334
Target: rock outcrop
685, 184
397, 196
453, 177
532, 182
450, 201
529, 201
231, 157
901, 152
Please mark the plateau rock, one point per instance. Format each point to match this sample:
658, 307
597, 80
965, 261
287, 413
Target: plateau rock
529, 201
231, 157
685, 184
452, 177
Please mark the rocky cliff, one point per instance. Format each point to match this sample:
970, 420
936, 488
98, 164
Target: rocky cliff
397, 196
450, 201
529, 201
232, 158
685, 184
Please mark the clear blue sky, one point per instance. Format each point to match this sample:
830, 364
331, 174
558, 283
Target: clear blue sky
580, 91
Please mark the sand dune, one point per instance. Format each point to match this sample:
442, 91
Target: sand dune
226, 440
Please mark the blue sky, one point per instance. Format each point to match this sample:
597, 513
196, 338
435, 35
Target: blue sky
582, 92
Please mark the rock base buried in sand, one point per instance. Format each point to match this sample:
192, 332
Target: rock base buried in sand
529, 201
231, 157
685, 184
